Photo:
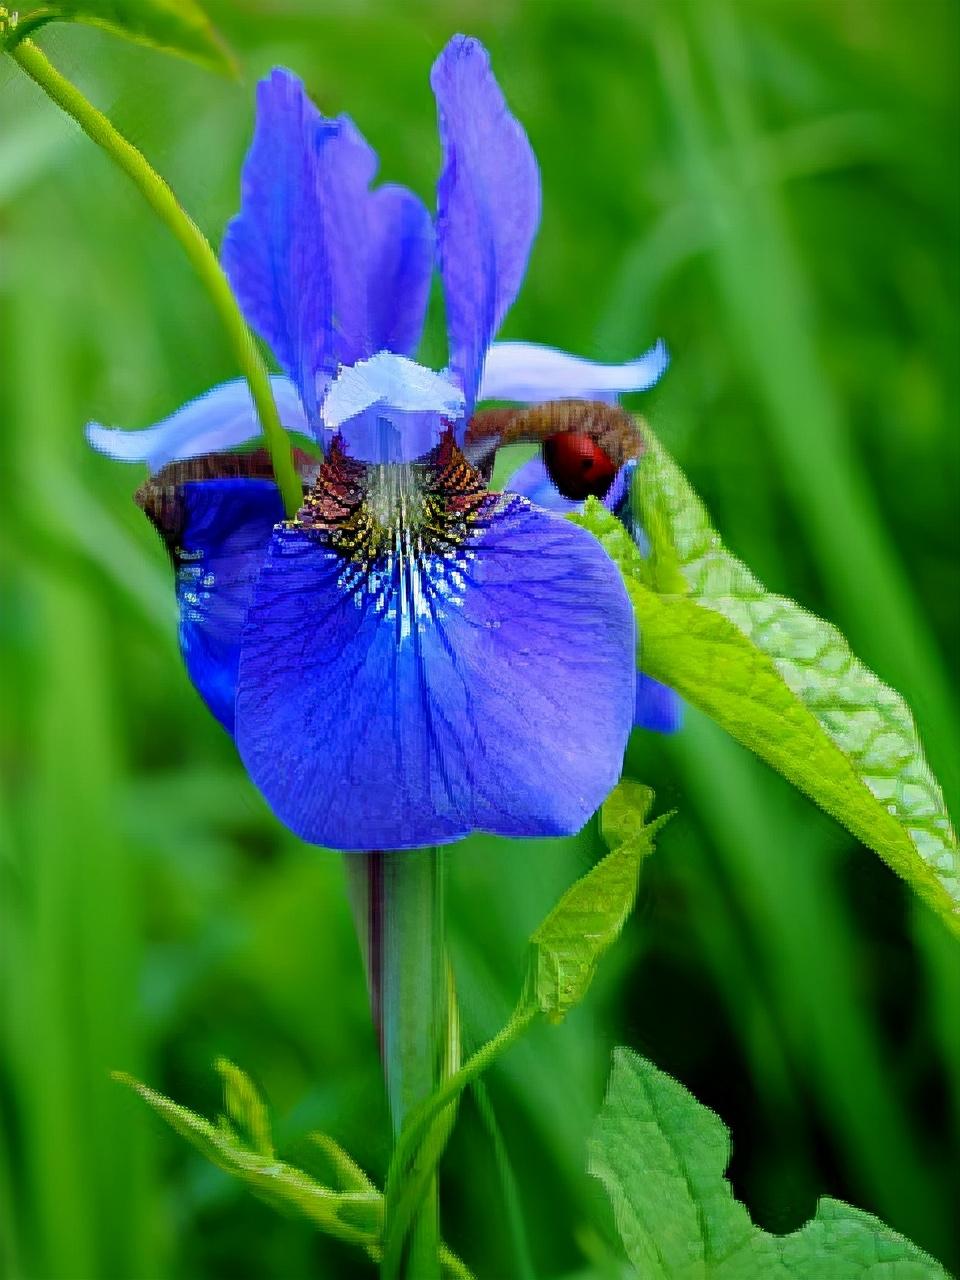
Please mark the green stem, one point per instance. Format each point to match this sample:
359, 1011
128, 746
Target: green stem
202, 258
414, 1162
508, 1183
398, 898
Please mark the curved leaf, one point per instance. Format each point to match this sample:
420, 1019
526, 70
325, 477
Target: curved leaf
176, 26
354, 1214
246, 1109
780, 680
588, 918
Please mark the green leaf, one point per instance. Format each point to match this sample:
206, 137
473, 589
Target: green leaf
590, 915
355, 1216
781, 681
348, 1173
354, 1213
245, 1108
176, 26
661, 1157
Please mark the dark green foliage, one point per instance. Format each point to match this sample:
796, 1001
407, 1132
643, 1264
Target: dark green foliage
775, 198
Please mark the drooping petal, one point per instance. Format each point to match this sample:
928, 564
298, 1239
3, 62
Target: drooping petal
658, 707
476, 672
325, 270
531, 373
400, 266
220, 419
390, 409
217, 530
488, 203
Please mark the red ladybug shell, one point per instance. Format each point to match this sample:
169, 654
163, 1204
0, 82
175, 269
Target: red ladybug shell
577, 465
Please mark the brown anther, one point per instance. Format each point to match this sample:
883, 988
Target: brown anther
611, 428
161, 497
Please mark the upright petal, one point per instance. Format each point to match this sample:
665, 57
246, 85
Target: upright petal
217, 531
488, 203
401, 686
400, 267
220, 419
325, 270
531, 373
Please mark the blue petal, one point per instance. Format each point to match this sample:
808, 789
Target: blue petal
533, 481
532, 373
325, 271
220, 419
488, 203
390, 409
217, 532
401, 265
617, 496
408, 701
657, 707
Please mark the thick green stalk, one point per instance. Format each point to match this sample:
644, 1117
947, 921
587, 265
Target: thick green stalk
202, 258
414, 1158
398, 898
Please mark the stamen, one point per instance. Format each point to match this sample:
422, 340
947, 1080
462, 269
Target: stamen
402, 530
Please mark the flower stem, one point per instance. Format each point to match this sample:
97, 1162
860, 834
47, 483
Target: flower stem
414, 1157
399, 905
202, 258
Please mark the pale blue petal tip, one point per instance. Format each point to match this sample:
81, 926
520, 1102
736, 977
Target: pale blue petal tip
391, 409
221, 419
531, 373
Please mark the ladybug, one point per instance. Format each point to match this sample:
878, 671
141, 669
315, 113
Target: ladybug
578, 466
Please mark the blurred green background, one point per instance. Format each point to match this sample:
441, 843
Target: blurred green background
773, 188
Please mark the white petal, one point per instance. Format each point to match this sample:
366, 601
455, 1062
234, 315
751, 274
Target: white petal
220, 419
532, 373
392, 382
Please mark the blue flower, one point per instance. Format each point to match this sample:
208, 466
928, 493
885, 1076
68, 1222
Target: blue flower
413, 657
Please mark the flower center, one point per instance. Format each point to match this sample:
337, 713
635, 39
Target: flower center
396, 495
416, 509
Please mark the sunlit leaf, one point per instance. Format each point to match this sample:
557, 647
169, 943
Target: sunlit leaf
245, 1108
176, 26
355, 1213
355, 1216
781, 681
588, 918
662, 1156
348, 1173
